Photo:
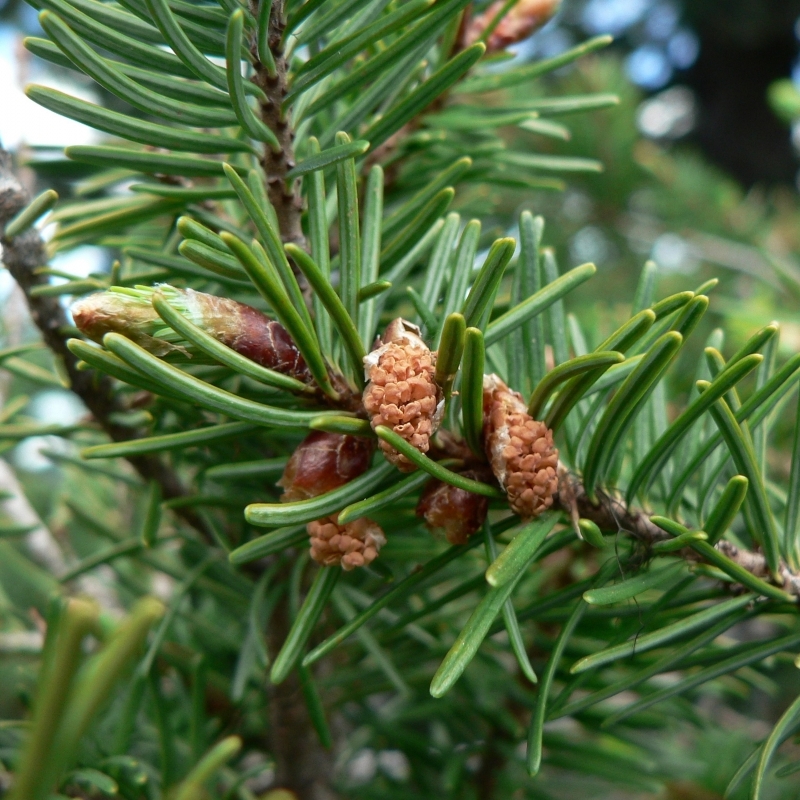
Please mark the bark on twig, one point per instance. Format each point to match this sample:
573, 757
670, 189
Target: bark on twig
610, 513
285, 199
301, 763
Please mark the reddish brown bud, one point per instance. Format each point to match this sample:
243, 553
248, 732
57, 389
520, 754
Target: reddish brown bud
521, 20
323, 462
455, 511
240, 327
353, 545
247, 331
520, 449
402, 393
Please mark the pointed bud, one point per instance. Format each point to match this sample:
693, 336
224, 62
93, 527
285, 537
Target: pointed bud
353, 545
520, 449
323, 462
401, 392
457, 512
118, 312
520, 21
238, 326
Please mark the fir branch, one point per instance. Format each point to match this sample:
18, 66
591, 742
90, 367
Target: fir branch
397, 104
612, 514
22, 255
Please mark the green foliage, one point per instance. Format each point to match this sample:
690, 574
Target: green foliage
313, 178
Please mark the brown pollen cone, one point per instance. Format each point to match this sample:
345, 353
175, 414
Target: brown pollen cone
401, 392
521, 20
323, 462
353, 545
455, 511
520, 449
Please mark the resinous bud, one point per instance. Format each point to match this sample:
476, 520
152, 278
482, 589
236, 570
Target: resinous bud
244, 329
457, 513
323, 462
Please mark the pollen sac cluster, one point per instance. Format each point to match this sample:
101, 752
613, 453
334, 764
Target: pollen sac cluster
321, 463
459, 514
401, 392
520, 449
355, 544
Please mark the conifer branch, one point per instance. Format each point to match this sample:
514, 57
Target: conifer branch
355, 76
611, 513
301, 764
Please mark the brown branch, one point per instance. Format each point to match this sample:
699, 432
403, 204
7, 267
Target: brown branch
22, 255
301, 763
285, 199
611, 513
608, 513
493, 761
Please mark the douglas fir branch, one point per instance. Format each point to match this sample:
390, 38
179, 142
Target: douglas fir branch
402, 510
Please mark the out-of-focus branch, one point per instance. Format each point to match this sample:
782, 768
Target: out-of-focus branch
22, 255
43, 547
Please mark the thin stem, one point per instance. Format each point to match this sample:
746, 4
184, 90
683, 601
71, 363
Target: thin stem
612, 514
276, 162
300, 763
